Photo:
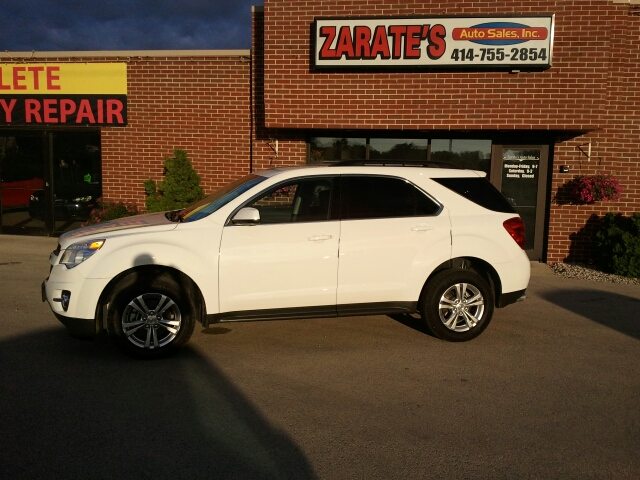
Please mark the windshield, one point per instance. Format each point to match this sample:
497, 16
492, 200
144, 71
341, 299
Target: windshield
219, 199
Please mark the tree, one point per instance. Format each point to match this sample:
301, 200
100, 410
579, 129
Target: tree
180, 188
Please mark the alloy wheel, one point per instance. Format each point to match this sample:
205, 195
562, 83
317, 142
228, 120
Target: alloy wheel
151, 321
461, 307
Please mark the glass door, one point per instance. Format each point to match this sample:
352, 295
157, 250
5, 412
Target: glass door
520, 173
76, 168
22, 174
50, 180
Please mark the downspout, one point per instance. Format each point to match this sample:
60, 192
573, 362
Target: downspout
251, 109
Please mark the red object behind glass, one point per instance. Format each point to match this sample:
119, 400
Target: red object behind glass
16, 194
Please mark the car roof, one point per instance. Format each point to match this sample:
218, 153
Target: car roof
377, 168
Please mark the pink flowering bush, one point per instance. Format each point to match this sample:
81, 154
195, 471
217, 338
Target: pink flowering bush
106, 211
596, 188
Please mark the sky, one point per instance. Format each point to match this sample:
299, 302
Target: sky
71, 25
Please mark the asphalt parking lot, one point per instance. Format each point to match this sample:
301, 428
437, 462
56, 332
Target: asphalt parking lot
550, 390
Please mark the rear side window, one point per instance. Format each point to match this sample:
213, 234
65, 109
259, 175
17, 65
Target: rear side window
383, 197
478, 190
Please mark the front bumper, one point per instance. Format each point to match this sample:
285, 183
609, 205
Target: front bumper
73, 299
80, 327
83, 327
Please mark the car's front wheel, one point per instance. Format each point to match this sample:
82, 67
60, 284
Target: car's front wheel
152, 317
457, 305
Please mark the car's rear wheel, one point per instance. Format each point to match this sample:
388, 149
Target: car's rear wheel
458, 305
152, 317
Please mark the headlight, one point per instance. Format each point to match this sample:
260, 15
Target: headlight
82, 199
78, 252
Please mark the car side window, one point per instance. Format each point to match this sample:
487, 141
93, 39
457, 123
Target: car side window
302, 200
383, 197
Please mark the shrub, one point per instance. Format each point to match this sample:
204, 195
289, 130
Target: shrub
106, 211
180, 188
617, 243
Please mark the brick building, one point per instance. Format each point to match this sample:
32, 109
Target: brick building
198, 101
318, 87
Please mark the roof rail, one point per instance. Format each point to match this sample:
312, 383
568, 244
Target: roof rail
396, 163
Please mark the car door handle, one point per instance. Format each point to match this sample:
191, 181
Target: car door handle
317, 238
422, 228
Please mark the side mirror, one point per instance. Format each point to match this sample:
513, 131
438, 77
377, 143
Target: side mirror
246, 216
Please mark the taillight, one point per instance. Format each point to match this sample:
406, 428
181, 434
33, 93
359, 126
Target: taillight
515, 227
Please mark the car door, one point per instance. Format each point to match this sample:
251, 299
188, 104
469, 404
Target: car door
392, 235
289, 260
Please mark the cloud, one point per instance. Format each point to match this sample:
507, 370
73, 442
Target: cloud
49, 25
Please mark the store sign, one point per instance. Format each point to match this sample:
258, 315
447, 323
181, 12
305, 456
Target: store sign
63, 94
421, 42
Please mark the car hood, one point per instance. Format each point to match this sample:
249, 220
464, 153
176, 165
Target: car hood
156, 221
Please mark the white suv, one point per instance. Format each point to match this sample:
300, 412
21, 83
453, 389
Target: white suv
297, 243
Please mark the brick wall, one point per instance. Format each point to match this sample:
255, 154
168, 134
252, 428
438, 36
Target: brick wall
200, 105
290, 148
562, 97
614, 147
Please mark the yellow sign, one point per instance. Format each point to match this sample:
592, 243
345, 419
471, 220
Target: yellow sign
63, 78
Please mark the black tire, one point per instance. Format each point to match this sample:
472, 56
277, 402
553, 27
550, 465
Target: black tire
457, 305
142, 332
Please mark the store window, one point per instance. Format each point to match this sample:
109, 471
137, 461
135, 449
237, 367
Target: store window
471, 154
465, 153
334, 149
398, 149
